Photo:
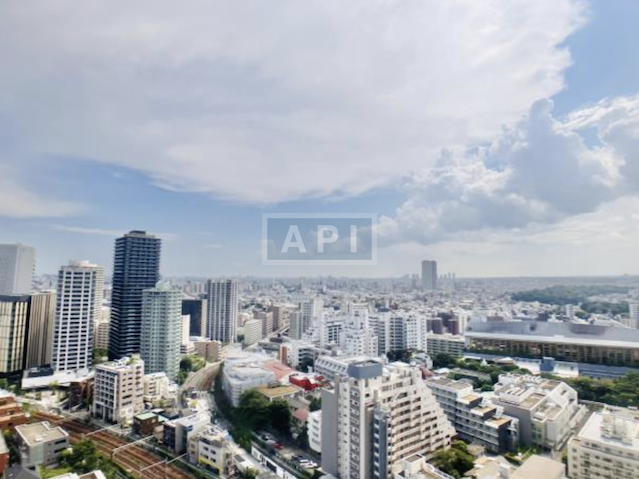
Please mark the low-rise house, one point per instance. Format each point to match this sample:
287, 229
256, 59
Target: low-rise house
40, 444
89, 475
178, 432
211, 449
276, 391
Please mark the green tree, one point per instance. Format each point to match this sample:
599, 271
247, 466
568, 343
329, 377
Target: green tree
280, 415
316, 403
186, 364
455, 461
444, 360
253, 412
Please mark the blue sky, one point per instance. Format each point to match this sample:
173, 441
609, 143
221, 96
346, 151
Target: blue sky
434, 116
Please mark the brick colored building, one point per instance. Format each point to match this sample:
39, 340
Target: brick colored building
11, 415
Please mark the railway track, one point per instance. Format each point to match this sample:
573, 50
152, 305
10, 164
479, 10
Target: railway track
134, 459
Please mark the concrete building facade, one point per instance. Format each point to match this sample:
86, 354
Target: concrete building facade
14, 317
79, 307
161, 331
548, 410
474, 418
41, 325
223, 307
119, 390
377, 415
429, 275
17, 265
606, 447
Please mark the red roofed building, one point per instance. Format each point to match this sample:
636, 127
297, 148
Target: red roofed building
306, 381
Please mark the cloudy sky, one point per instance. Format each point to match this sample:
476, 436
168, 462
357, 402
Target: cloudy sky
499, 137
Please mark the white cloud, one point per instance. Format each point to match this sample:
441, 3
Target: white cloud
104, 232
16, 201
540, 172
87, 231
213, 246
266, 102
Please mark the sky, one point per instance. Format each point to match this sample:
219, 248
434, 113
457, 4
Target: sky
500, 138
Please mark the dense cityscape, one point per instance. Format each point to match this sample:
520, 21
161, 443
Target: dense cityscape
423, 376
356, 239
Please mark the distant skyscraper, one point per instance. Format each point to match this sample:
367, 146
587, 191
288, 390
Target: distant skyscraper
634, 315
161, 330
222, 317
429, 275
41, 325
79, 306
136, 267
17, 264
197, 310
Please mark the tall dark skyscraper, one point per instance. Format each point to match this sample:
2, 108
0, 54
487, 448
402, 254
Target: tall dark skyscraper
197, 309
136, 267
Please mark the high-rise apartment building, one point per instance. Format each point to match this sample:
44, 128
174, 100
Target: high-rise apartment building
280, 316
136, 267
223, 304
266, 317
429, 275
197, 310
40, 332
17, 265
377, 415
309, 309
252, 331
79, 306
357, 337
118, 393
401, 331
162, 330
606, 447
14, 318
101, 330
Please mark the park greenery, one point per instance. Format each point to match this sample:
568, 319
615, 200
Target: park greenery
254, 413
189, 364
577, 295
455, 461
621, 391
483, 375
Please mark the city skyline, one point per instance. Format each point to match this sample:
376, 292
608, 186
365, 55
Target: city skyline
528, 170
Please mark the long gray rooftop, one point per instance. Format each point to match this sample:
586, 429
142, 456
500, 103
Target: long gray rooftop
571, 333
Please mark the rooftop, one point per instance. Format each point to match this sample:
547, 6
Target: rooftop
277, 391
40, 432
564, 333
539, 466
618, 428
